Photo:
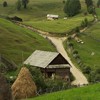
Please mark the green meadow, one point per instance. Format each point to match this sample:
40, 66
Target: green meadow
91, 92
90, 51
16, 41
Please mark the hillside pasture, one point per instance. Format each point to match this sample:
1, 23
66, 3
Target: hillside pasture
16, 41
90, 50
58, 26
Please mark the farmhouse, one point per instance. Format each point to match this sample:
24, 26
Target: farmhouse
52, 64
52, 17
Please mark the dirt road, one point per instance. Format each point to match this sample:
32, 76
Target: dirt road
80, 79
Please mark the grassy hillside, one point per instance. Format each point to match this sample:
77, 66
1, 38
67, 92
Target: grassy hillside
35, 15
91, 92
15, 40
59, 26
91, 39
37, 9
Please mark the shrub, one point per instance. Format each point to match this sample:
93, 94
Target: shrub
37, 77
5, 4
86, 70
77, 30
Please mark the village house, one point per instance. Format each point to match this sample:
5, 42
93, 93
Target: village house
52, 64
52, 17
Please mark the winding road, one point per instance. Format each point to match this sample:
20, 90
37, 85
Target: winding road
80, 79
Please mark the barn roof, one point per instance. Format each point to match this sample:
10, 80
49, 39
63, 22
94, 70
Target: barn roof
41, 58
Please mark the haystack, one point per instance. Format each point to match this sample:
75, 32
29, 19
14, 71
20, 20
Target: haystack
5, 91
24, 87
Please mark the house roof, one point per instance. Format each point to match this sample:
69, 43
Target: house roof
41, 58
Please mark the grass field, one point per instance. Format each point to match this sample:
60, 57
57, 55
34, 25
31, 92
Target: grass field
35, 15
98, 12
59, 26
91, 92
37, 9
15, 40
91, 38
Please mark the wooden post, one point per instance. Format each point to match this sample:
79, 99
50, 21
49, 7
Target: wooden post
45, 72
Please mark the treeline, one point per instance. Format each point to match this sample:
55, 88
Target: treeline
73, 7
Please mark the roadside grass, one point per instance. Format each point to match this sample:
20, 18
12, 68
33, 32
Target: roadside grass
98, 12
91, 92
89, 51
16, 41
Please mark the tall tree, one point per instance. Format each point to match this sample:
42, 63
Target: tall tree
5, 4
72, 7
24, 3
89, 3
90, 7
18, 5
98, 3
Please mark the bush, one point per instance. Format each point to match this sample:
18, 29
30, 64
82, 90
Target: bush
77, 30
84, 23
5, 4
91, 10
86, 70
56, 84
37, 77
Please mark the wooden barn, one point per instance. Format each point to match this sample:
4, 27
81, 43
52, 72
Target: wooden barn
52, 64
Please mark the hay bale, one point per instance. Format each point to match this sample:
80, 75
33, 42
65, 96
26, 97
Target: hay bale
5, 91
24, 87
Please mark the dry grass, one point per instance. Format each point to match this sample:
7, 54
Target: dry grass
24, 87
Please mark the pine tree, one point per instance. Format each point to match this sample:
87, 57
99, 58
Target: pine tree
5, 4
18, 5
24, 3
89, 3
90, 7
98, 3
72, 7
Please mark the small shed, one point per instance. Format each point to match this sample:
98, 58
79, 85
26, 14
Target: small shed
51, 64
52, 17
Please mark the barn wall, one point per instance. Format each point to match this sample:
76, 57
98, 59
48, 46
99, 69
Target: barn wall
59, 60
59, 73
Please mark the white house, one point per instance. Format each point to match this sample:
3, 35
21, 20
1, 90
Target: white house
52, 17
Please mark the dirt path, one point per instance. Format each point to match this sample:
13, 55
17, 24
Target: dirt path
80, 79
58, 43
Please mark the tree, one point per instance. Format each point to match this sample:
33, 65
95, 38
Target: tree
18, 5
5, 90
91, 10
72, 7
5, 4
90, 7
24, 3
38, 77
89, 3
98, 3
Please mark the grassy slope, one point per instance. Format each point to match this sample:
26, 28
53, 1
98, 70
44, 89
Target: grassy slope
37, 11
58, 26
91, 92
14, 40
91, 44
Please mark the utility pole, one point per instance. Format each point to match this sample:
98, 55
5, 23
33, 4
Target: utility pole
0, 60
22, 59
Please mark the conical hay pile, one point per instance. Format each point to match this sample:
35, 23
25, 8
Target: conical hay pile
24, 87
